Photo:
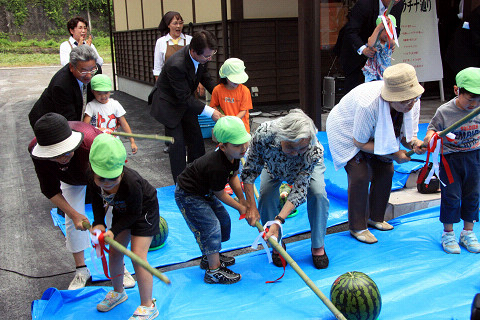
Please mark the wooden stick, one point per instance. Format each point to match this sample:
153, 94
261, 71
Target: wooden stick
389, 8
132, 256
297, 269
144, 136
454, 126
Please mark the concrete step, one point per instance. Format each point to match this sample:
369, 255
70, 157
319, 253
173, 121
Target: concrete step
408, 199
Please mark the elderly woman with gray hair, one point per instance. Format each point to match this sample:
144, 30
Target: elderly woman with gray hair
287, 149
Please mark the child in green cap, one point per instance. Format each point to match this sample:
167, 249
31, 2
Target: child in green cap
460, 198
382, 59
231, 96
105, 113
135, 219
200, 191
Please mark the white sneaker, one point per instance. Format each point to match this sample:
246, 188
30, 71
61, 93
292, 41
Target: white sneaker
80, 279
449, 244
128, 280
468, 239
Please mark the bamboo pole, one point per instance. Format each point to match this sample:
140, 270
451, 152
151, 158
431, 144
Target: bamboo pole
144, 136
297, 269
454, 126
144, 264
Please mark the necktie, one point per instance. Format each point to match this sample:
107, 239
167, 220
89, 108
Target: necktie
84, 98
175, 41
75, 43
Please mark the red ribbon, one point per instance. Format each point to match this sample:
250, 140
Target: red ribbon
431, 148
284, 263
103, 249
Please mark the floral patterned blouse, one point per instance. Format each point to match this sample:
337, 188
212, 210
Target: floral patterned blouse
265, 151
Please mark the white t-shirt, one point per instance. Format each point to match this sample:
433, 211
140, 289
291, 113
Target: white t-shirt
105, 115
65, 50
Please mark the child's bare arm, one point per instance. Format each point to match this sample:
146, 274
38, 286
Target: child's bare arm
237, 188
428, 136
242, 114
87, 118
228, 200
126, 128
374, 36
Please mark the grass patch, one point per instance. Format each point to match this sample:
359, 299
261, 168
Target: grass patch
29, 53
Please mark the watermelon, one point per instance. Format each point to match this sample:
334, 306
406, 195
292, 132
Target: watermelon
160, 239
356, 296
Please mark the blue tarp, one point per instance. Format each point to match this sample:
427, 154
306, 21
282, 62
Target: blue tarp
181, 245
417, 280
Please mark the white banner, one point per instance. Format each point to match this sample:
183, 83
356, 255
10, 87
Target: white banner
419, 43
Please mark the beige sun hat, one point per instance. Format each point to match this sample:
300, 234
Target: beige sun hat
400, 83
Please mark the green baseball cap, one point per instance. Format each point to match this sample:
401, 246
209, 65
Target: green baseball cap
101, 82
469, 79
392, 18
234, 70
107, 156
232, 130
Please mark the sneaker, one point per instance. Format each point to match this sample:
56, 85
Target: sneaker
80, 279
226, 260
128, 280
468, 239
111, 300
449, 243
221, 275
145, 313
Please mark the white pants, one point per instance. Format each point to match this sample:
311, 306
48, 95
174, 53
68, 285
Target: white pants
75, 240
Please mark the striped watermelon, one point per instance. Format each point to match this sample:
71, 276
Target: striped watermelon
160, 239
356, 296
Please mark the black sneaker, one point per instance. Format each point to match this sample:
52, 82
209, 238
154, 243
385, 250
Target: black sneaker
222, 275
226, 260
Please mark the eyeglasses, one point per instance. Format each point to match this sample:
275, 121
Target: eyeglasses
411, 100
210, 56
177, 23
84, 73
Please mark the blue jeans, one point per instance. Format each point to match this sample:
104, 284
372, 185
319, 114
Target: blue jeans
206, 217
317, 202
460, 199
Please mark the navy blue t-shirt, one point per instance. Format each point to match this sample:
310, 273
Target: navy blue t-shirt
208, 173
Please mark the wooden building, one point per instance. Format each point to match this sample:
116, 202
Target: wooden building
286, 44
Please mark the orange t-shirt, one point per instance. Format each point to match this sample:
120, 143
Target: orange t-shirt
233, 101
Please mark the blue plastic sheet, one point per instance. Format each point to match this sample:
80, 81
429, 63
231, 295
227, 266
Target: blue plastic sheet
181, 245
417, 280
